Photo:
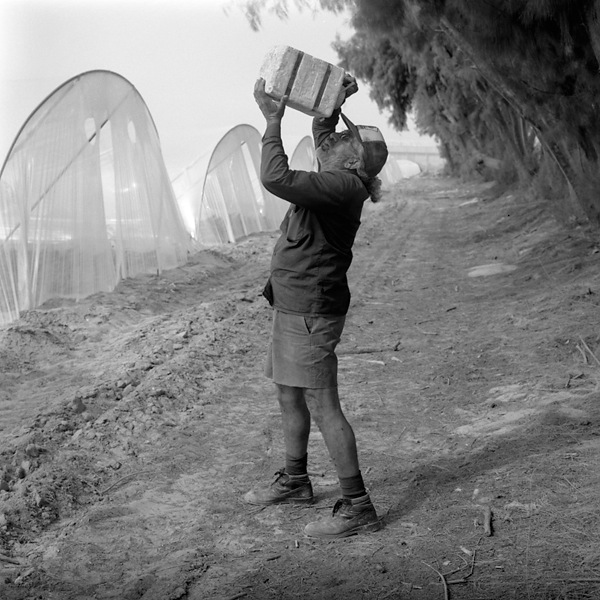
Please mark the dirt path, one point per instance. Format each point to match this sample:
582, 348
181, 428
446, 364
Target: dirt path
134, 421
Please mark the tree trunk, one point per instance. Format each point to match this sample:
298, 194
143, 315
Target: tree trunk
593, 27
547, 128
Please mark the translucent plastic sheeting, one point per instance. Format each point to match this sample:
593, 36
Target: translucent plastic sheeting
426, 157
220, 195
85, 198
390, 173
304, 157
408, 168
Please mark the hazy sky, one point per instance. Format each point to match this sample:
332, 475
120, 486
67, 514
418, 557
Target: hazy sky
193, 63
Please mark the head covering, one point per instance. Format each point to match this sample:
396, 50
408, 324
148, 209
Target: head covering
375, 149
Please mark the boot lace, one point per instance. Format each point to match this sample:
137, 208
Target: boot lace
279, 475
339, 505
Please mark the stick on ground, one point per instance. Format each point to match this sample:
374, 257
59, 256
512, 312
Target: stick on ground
446, 597
8, 559
588, 349
487, 520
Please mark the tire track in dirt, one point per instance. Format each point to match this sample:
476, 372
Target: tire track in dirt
405, 359
397, 297
378, 246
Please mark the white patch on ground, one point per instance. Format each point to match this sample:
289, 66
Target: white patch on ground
468, 202
490, 269
511, 405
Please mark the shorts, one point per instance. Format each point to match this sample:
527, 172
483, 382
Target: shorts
302, 350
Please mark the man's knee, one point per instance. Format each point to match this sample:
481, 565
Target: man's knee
289, 396
323, 398
324, 404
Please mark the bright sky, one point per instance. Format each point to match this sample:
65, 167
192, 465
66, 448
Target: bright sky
193, 63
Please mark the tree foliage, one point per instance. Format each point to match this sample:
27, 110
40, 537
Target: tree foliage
510, 86
513, 80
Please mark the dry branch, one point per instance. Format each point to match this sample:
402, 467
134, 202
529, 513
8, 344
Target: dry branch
585, 358
590, 352
8, 559
464, 579
124, 478
487, 520
364, 351
446, 596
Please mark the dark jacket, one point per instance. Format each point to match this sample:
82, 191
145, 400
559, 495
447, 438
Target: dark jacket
314, 252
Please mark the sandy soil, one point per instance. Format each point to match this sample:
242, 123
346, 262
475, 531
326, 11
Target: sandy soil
134, 421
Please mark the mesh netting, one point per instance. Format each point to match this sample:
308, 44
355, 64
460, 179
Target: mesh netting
221, 197
85, 198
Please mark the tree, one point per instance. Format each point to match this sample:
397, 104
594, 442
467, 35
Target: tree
512, 85
530, 65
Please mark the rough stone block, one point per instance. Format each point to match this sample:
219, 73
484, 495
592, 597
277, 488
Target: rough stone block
313, 85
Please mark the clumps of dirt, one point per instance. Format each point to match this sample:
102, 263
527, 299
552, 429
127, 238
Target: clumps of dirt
94, 384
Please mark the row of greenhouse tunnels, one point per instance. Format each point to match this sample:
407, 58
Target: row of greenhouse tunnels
86, 199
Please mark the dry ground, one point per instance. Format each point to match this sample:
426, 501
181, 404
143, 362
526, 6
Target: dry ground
134, 421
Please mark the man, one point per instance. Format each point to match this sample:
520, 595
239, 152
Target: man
308, 290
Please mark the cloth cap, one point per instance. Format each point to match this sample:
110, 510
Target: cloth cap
375, 149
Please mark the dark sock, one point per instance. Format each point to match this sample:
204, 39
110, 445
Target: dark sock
353, 487
296, 466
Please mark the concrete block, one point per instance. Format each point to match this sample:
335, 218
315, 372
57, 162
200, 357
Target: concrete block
313, 85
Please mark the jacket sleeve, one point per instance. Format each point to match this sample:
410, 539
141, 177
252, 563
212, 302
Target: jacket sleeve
316, 191
323, 126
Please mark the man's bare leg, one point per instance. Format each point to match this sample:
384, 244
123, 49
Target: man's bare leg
355, 513
295, 419
324, 405
292, 484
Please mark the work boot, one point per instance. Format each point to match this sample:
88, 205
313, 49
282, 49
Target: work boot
293, 489
348, 517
